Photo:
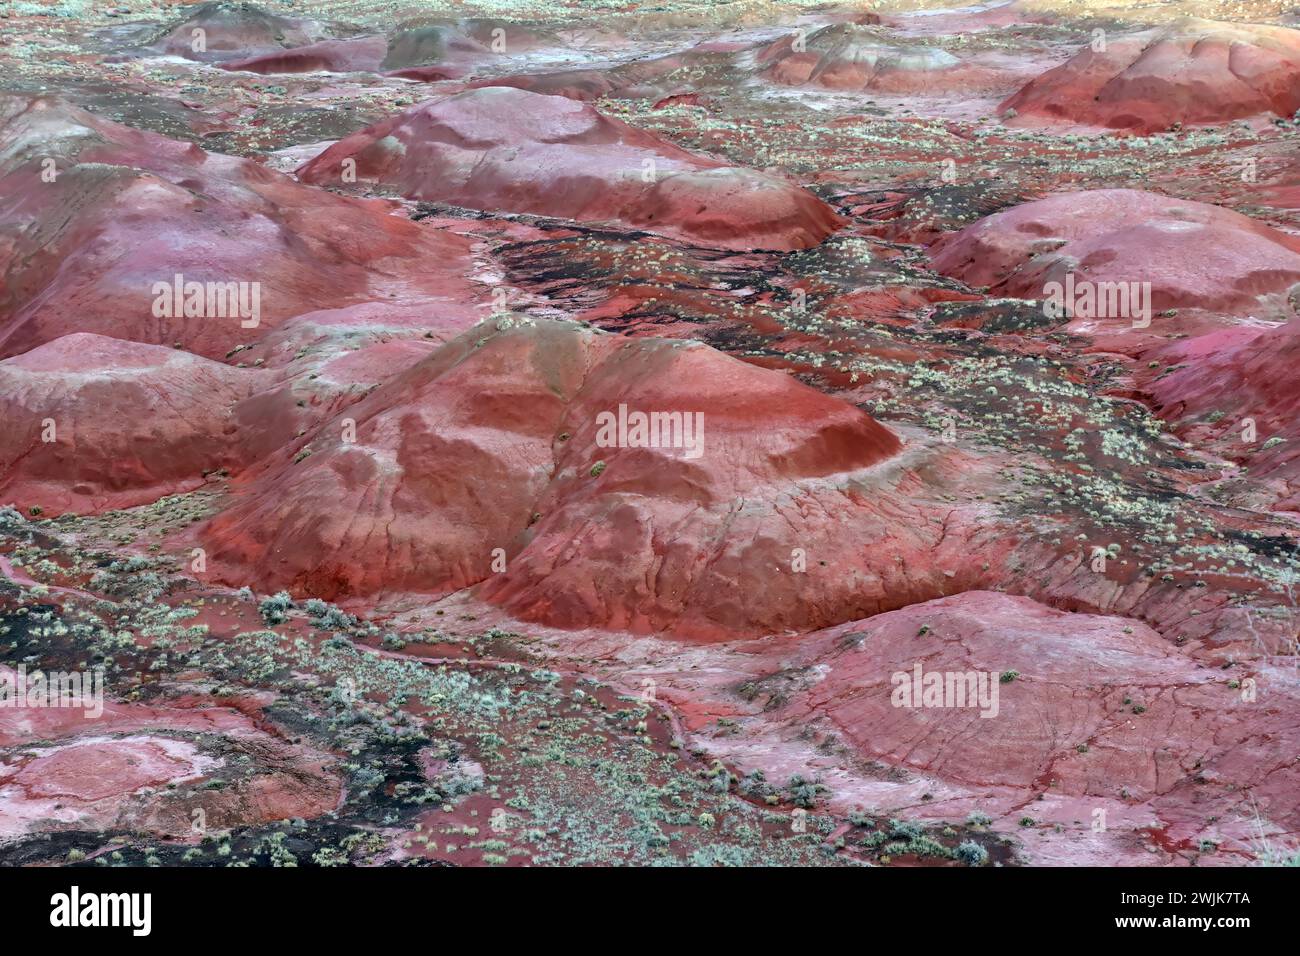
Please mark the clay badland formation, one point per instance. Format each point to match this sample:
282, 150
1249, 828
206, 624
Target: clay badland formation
691, 433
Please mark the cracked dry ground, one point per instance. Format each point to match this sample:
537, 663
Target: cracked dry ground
366, 584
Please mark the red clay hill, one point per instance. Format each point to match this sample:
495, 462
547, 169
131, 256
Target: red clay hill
510, 150
424, 51
847, 56
219, 30
100, 218
94, 423
1073, 714
1194, 255
1189, 72
508, 439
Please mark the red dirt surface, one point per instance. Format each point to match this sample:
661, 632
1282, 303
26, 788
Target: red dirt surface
335, 56
133, 766
1235, 392
1094, 720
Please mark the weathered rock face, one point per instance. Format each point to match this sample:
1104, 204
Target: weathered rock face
93, 422
452, 48
1193, 71
509, 150
423, 46
98, 247
438, 478
1194, 255
847, 56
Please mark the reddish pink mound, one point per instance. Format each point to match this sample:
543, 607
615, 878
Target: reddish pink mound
1193, 71
93, 423
650, 78
846, 56
495, 441
584, 85
1101, 713
130, 210
231, 29
1194, 255
435, 470
1226, 382
334, 56
429, 52
504, 149
423, 44
437, 52
452, 49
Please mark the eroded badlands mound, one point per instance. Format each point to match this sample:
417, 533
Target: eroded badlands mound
426, 485
510, 150
96, 423
219, 30
1193, 255
848, 56
101, 220
425, 52
1192, 71
479, 435
1121, 704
